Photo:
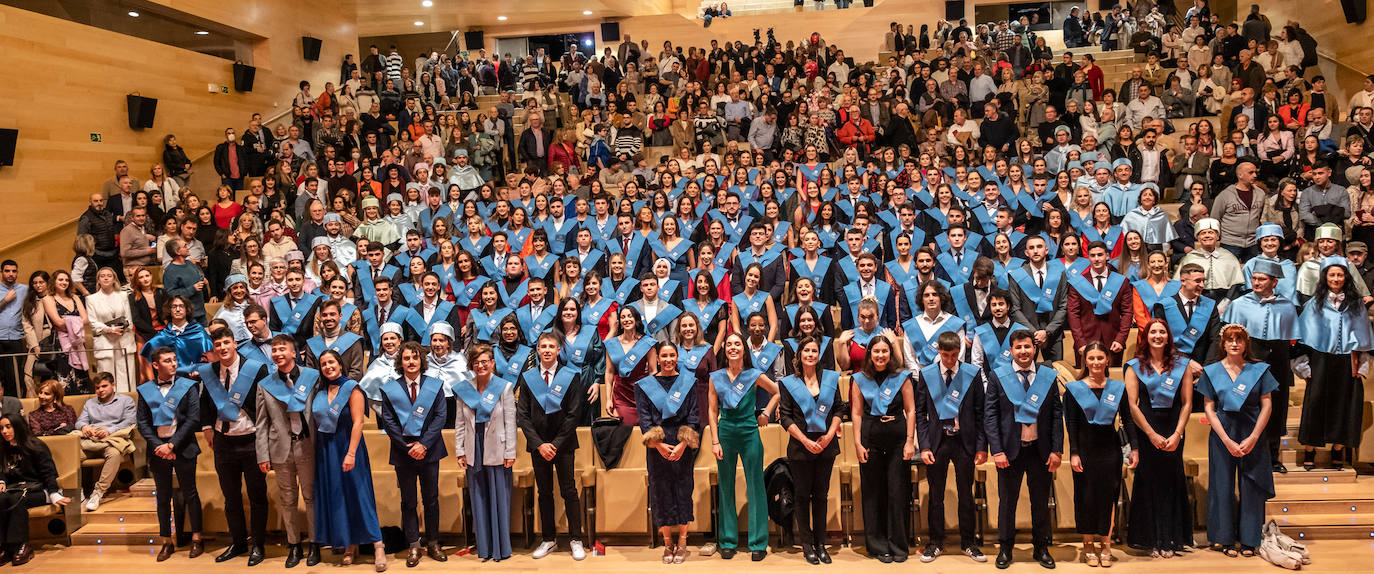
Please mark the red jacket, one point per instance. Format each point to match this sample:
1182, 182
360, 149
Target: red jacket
857, 133
1088, 326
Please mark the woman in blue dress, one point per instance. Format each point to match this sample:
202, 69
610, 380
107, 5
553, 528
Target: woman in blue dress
668, 418
345, 506
485, 446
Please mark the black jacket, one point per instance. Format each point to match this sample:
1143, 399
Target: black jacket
539, 427
431, 434
188, 420
930, 428
221, 159
1004, 433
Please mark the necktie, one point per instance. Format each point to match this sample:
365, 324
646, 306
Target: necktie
1099, 282
959, 258
949, 377
1039, 278
414, 390
1188, 310
381, 315
1025, 379
548, 378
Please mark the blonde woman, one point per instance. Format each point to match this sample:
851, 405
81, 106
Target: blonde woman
112, 329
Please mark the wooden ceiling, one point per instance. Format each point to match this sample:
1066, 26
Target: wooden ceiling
388, 17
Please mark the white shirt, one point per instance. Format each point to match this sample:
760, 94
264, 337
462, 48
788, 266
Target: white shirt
242, 425
428, 308
1149, 164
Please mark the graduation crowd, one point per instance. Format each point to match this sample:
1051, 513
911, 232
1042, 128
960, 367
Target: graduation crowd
910, 267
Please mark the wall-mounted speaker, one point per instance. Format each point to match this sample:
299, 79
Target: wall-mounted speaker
1355, 10
8, 139
610, 32
954, 10
310, 48
474, 40
141, 111
243, 77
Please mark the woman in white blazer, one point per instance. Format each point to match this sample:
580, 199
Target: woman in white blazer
484, 442
112, 329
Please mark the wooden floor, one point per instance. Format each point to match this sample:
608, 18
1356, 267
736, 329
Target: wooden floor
1327, 556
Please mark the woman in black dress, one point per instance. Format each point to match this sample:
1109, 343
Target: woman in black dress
669, 421
882, 404
1091, 410
810, 413
1159, 391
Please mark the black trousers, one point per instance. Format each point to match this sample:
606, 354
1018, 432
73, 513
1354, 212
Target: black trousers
11, 367
885, 479
811, 492
236, 463
14, 514
185, 469
544, 471
1030, 466
951, 451
427, 475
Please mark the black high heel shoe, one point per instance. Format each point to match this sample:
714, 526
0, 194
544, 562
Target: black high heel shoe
1307, 459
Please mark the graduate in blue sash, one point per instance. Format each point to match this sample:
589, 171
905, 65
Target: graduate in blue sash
1154, 286
509, 350
735, 422
921, 333
1099, 304
668, 417
991, 340
809, 263
752, 300
485, 447
706, 305
956, 263
1159, 392
809, 410
598, 310
185, 337
383, 367
1041, 295
772, 263
1236, 390
807, 324
346, 507
294, 312
331, 336
627, 361
1336, 336
229, 390
949, 423
412, 411
1023, 418
656, 312
548, 409
1192, 317
1272, 321
866, 284
168, 418
485, 317
285, 447
581, 349
1092, 407
883, 409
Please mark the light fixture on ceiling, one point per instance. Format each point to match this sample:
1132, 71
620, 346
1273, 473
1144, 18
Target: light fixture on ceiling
587, 42
133, 14
586, 12
202, 33
427, 3
501, 18
419, 23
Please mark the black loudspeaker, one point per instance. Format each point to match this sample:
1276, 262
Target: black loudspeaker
1355, 10
310, 48
8, 139
243, 77
474, 40
141, 111
954, 10
610, 32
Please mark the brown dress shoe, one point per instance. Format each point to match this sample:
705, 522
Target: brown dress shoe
197, 548
436, 552
167, 550
412, 556
23, 555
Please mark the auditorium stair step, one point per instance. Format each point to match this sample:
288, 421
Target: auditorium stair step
1317, 476
123, 519
123, 511
124, 535
143, 489
1323, 510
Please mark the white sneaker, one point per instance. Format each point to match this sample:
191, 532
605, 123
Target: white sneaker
577, 551
544, 549
93, 501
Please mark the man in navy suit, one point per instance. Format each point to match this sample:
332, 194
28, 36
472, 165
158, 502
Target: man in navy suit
868, 285
412, 412
168, 418
1023, 420
949, 424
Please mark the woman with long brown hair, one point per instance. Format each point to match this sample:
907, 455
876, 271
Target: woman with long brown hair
1091, 411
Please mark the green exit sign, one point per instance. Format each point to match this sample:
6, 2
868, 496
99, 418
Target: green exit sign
95, 137
224, 89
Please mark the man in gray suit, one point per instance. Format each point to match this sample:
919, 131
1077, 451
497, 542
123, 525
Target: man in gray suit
1042, 292
284, 443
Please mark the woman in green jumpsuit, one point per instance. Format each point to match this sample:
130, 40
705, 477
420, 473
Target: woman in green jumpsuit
736, 440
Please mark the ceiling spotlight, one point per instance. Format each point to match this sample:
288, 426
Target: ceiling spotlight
587, 42
586, 12
427, 3
202, 33
133, 14
501, 18
419, 23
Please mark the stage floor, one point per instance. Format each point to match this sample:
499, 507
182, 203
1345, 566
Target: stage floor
1327, 556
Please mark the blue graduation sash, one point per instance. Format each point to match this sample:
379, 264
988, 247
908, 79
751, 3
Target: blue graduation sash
591, 314
1111, 238
1043, 297
1231, 393
957, 273
412, 294
363, 275
510, 367
815, 273
486, 324
669, 400
164, 409
326, 413
927, 349
780, 230
1078, 266
996, 352
412, 415
592, 259
862, 337
688, 359
623, 360
481, 403
1147, 294
1187, 333
703, 314
937, 216
427, 216
292, 397
675, 254
660, 321
948, 399
817, 408
228, 402
769, 256
962, 308
1026, 403
533, 326
517, 239
558, 236
1098, 411
576, 353
902, 277
250, 351
1162, 387
746, 305
550, 398
624, 291
289, 316
848, 266
637, 243
474, 247
879, 397
512, 298
852, 292
763, 358
1102, 302
732, 391
340, 345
